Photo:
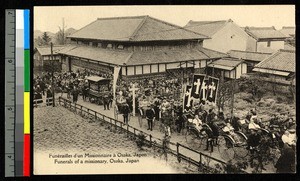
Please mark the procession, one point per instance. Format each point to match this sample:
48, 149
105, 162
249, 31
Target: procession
208, 90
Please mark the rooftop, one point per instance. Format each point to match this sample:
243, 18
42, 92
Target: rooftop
46, 50
226, 63
121, 57
288, 31
264, 33
282, 60
207, 28
247, 55
134, 29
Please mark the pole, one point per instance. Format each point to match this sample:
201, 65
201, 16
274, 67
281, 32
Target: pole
52, 76
232, 97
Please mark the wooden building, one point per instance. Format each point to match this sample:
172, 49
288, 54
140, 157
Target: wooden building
250, 58
228, 68
279, 68
140, 45
42, 56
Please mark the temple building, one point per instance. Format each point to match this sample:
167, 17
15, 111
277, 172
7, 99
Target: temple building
140, 46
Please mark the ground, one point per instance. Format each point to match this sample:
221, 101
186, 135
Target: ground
57, 130
267, 106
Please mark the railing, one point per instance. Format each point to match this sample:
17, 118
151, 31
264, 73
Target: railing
202, 161
41, 103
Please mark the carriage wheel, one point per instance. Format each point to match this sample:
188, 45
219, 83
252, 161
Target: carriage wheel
225, 148
241, 151
192, 139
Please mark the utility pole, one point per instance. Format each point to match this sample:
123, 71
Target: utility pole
63, 30
52, 75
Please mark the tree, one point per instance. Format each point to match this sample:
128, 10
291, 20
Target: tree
224, 94
45, 39
61, 34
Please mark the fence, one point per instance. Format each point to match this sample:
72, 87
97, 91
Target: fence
203, 162
40, 102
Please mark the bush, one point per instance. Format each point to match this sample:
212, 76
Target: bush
140, 140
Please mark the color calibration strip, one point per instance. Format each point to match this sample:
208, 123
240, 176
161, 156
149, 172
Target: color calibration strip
21, 90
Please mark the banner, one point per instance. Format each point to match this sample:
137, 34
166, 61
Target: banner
197, 85
212, 87
187, 99
203, 92
116, 76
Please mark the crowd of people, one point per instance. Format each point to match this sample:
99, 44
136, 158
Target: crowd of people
158, 101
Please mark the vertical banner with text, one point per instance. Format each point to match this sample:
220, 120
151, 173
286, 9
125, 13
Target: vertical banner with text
187, 99
115, 79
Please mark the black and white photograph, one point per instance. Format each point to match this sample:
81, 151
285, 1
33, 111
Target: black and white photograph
164, 89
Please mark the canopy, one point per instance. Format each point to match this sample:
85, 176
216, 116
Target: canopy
96, 78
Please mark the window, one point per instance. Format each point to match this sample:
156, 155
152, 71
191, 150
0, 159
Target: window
268, 43
99, 44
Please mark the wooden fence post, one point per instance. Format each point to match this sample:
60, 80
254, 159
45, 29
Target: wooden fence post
177, 151
150, 136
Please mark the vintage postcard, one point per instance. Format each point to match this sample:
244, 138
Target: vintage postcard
164, 89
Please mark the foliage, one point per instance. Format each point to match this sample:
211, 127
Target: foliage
224, 94
234, 168
46, 39
140, 140
254, 85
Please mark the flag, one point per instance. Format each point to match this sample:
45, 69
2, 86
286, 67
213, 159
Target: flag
116, 76
212, 87
196, 85
203, 91
187, 99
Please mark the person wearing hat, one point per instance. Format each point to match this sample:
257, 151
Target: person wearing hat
252, 124
150, 116
253, 142
289, 137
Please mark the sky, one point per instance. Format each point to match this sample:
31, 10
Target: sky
50, 18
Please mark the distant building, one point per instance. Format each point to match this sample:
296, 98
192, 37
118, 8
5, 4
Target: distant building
42, 56
225, 35
228, 68
290, 32
141, 45
250, 58
268, 39
279, 67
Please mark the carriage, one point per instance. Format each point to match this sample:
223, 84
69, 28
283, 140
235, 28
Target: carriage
98, 89
227, 144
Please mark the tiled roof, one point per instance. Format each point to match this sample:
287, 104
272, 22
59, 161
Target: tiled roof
46, 50
115, 57
136, 28
121, 57
282, 60
264, 33
288, 31
246, 55
225, 63
167, 56
289, 47
207, 28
